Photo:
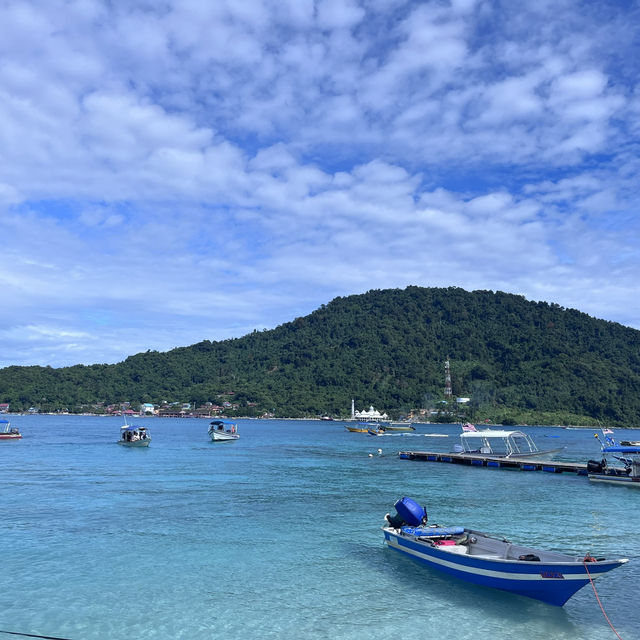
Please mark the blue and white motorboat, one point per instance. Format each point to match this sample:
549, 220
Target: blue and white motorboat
628, 454
482, 559
223, 431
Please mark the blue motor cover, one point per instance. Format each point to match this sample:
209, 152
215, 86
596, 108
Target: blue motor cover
411, 512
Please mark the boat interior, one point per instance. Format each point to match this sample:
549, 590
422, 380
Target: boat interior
481, 545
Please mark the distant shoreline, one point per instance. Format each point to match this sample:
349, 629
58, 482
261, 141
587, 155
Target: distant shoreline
335, 420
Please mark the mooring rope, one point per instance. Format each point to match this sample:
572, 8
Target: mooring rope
593, 586
31, 635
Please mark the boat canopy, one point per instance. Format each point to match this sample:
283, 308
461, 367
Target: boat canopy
493, 433
620, 449
4, 422
498, 442
223, 422
132, 427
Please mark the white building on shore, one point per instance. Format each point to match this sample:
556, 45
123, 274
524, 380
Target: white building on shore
370, 415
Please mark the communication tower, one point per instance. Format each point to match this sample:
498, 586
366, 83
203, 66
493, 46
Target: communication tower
447, 379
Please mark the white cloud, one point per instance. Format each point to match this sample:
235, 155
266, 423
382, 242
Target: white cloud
161, 163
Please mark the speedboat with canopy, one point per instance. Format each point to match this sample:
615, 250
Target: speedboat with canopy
629, 455
498, 443
223, 431
134, 436
7, 432
491, 561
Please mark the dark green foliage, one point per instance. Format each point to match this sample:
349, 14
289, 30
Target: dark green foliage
385, 348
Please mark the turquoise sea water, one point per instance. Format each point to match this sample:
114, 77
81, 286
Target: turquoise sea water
278, 535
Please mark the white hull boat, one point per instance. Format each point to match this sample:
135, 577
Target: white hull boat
223, 431
134, 436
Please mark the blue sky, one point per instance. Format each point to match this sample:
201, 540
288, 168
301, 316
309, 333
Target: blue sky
178, 171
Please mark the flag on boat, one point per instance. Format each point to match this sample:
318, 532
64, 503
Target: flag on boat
467, 426
607, 431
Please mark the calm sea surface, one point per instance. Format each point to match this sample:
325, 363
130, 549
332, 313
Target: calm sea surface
278, 535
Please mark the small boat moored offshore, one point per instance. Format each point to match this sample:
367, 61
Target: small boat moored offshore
7, 432
361, 427
476, 557
500, 444
223, 431
134, 436
398, 426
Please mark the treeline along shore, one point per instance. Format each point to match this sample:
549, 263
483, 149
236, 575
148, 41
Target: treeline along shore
515, 359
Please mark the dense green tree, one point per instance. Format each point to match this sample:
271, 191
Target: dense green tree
510, 356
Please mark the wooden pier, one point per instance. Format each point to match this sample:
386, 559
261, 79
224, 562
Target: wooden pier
478, 460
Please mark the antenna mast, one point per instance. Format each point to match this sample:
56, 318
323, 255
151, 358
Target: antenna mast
447, 379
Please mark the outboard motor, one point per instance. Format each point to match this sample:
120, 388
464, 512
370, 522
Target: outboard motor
411, 512
394, 521
594, 466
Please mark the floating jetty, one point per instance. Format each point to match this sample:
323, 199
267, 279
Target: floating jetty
479, 460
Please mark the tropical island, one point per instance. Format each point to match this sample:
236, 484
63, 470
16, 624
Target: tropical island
515, 361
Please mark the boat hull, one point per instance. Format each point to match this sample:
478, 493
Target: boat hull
628, 481
135, 443
223, 437
10, 436
547, 454
550, 582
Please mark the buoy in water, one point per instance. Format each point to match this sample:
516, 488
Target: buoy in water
379, 452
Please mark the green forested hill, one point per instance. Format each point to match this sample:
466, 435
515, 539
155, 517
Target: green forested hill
387, 348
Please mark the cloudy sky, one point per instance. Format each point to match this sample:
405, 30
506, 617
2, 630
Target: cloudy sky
180, 170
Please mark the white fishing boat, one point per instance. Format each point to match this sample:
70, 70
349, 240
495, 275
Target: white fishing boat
490, 561
223, 431
7, 432
132, 435
497, 443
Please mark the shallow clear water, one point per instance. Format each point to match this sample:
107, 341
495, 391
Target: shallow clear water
278, 535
